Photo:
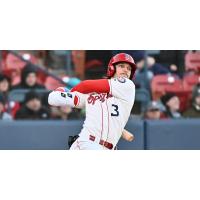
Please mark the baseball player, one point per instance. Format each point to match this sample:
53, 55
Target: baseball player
108, 103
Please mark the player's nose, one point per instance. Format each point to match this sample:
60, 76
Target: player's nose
125, 70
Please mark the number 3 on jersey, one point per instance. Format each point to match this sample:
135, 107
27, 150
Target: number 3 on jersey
115, 113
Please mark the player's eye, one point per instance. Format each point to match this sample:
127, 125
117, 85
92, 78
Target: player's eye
129, 68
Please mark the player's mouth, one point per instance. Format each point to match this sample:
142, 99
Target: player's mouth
124, 75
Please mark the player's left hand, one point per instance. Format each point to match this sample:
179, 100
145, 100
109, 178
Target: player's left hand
127, 135
61, 89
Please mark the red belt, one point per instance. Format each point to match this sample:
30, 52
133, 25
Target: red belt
102, 142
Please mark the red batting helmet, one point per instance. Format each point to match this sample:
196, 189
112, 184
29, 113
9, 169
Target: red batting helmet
121, 57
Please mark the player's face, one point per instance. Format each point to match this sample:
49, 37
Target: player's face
123, 70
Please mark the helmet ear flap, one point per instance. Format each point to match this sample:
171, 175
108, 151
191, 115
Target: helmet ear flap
133, 73
111, 71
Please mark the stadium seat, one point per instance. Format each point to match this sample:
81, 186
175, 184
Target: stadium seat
161, 84
192, 61
41, 77
52, 84
190, 80
12, 66
12, 62
93, 64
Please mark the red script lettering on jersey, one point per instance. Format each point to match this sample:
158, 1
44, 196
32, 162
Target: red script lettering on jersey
94, 97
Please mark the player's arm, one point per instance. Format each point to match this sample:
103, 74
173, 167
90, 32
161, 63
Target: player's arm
121, 88
90, 86
126, 135
60, 97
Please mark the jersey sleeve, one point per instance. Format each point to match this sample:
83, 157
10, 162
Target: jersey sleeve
73, 99
81, 99
122, 88
90, 86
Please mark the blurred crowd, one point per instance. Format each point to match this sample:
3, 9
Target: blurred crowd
169, 82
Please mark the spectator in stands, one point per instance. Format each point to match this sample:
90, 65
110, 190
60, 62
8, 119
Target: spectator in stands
162, 67
156, 68
172, 105
153, 111
32, 108
3, 114
66, 113
146, 69
9, 105
194, 110
143, 75
173, 60
174, 70
4, 85
29, 79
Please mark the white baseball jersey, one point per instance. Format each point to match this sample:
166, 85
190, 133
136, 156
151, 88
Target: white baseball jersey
107, 115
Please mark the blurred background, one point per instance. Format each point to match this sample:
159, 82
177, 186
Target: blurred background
165, 115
